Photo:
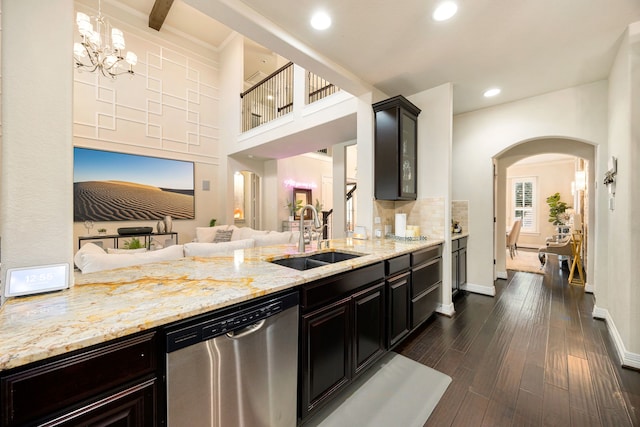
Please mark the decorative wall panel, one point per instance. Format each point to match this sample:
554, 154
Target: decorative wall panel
171, 104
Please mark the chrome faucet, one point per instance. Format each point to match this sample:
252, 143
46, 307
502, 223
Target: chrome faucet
321, 238
316, 225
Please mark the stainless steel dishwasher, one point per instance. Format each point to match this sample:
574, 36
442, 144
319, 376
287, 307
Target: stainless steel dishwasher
237, 367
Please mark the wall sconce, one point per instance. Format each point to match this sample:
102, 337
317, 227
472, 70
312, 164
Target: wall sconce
581, 181
610, 175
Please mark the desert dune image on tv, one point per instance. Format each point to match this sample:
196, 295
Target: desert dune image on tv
110, 186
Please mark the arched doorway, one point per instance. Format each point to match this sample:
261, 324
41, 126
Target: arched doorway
522, 150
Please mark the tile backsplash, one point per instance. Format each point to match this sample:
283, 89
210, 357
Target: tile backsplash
426, 213
460, 213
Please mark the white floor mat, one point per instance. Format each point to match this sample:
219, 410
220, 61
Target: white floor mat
397, 391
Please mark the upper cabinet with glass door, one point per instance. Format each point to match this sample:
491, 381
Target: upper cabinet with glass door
396, 137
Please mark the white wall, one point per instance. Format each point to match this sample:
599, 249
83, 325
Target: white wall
305, 169
168, 109
434, 141
622, 301
36, 200
578, 113
231, 72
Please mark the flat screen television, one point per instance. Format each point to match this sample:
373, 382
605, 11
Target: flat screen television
109, 186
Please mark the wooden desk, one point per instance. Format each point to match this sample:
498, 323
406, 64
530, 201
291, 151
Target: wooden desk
576, 250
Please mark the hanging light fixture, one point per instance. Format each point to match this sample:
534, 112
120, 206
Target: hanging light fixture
102, 47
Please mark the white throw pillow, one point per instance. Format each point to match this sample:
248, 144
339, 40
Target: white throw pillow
207, 234
125, 251
246, 233
273, 238
87, 248
208, 249
92, 262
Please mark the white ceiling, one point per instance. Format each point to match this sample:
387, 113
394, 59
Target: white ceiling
526, 47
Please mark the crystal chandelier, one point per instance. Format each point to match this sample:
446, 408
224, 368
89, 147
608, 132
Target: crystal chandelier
101, 47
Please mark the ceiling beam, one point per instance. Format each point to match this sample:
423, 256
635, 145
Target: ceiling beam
159, 13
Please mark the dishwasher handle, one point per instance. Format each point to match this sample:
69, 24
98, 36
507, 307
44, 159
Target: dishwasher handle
239, 333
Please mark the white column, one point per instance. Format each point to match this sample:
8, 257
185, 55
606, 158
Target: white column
36, 200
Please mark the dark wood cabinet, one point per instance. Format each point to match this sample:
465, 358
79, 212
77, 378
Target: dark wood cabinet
106, 385
134, 406
342, 332
398, 277
368, 327
462, 267
395, 149
426, 284
399, 323
325, 353
455, 280
458, 264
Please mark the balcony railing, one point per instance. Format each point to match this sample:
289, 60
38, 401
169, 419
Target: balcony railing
273, 96
269, 99
318, 88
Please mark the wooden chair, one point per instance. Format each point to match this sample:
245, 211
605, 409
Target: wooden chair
512, 237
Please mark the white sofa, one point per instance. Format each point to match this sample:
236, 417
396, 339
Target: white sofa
209, 241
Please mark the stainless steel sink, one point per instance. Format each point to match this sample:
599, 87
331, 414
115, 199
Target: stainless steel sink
314, 260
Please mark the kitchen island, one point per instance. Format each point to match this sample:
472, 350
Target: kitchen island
112, 304
99, 352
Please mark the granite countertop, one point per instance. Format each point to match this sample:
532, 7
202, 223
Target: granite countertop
456, 236
111, 304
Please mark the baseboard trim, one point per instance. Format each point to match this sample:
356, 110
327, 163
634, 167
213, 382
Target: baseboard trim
589, 288
627, 358
446, 309
479, 289
501, 275
599, 313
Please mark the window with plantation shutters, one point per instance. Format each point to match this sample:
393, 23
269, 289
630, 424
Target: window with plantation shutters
524, 197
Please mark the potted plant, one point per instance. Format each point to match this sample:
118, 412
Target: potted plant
102, 231
557, 209
134, 243
293, 208
212, 223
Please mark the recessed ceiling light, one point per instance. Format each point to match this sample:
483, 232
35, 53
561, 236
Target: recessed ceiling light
445, 10
320, 21
492, 92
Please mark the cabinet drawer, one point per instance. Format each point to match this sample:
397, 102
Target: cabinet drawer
424, 305
425, 255
397, 264
135, 406
458, 243
336, 287
425, 276
45, 389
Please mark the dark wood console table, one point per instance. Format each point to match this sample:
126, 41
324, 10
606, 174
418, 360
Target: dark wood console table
116, 237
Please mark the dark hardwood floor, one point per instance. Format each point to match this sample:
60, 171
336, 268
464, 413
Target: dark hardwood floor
530, 356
